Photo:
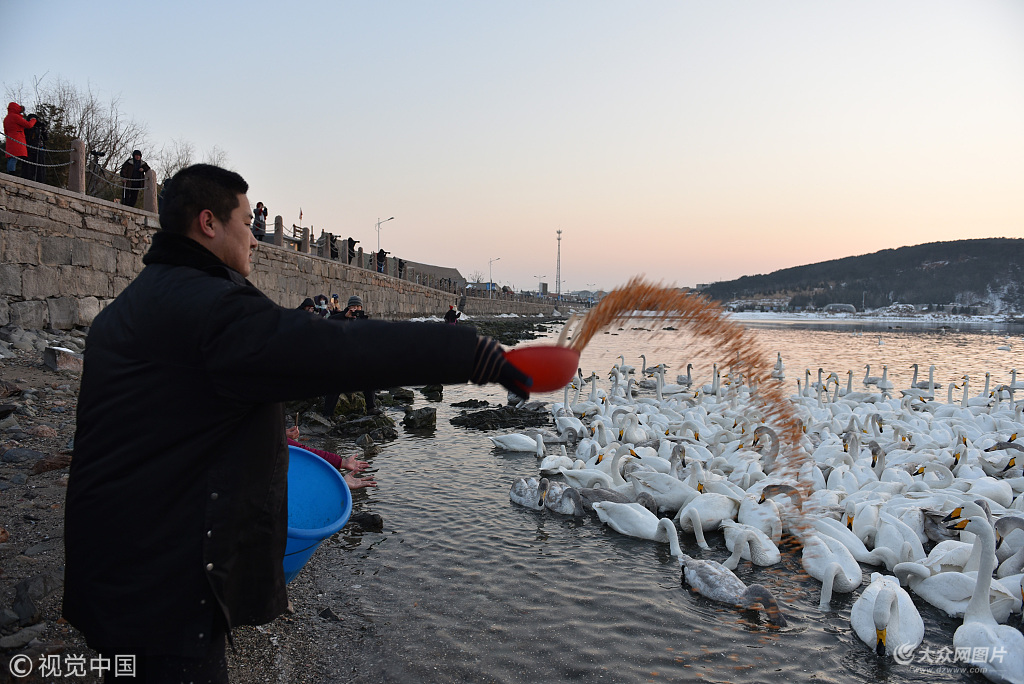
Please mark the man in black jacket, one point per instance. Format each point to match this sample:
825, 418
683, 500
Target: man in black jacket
176, 512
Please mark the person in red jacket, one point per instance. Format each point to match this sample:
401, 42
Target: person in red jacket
15, 124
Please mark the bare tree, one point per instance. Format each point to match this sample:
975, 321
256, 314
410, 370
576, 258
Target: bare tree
217, 157
98, 121
173, 157
476, 277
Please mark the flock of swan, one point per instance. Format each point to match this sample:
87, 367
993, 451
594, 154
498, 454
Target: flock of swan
923, 490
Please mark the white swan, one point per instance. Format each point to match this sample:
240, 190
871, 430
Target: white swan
716, 582
980, 633
519, 442
868, 378
832, 564
884, 383
634, 520
748, 543
885, 618
706, 512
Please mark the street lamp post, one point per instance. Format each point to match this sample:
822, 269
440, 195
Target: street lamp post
490, 276
539, 293
590, 289
378, 229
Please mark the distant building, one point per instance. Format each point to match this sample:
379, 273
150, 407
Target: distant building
840, 308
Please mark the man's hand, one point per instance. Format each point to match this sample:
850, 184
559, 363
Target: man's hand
292, 433
490, 365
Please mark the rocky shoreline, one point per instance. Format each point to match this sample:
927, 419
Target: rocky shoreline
326, 638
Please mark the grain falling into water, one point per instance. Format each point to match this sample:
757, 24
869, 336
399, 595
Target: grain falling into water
657, 306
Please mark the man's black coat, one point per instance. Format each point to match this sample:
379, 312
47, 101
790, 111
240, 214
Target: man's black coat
177, 497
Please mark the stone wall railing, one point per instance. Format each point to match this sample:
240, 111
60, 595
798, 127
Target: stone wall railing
64, 256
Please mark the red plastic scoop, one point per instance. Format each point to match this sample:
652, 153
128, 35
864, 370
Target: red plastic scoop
550, 366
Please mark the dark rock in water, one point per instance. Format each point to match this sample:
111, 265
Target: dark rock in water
371, 522
385, 432
380, 427
471, 403
328, 614
402, 395
502, 418
433, 392
364, 441
20, 455
419, 419
350, 405
509, 331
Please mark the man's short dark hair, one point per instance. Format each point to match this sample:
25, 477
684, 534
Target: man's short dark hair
199, 187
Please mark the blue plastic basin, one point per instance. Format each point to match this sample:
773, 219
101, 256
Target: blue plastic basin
319, 504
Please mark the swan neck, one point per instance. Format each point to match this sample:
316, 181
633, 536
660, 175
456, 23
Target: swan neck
979, 607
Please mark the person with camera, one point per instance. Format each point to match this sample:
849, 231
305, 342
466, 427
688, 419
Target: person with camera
259, 222
133, 172
35, 139
184, 380
15, 125
352, 311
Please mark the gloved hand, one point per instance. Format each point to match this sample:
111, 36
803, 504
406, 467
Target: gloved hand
489, 365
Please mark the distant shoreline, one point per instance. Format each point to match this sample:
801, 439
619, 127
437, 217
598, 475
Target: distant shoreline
924, 319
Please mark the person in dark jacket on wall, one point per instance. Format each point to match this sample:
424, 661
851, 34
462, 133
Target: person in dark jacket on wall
176, 513
133, 175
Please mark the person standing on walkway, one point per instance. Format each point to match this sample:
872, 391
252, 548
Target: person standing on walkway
169, 542
259, 222
35, 141
15, 124
133, 174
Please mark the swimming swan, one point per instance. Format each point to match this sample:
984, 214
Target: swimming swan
980, 633
748, 543
634, 520
885, 617
519, 442
832, 564
716, 582
529, 492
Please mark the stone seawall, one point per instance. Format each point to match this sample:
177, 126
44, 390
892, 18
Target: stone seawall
64, 256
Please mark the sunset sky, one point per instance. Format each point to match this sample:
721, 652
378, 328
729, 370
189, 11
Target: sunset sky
688, 141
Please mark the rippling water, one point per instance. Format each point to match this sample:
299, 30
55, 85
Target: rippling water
465, 586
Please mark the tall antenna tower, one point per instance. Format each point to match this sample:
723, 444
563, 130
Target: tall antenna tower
558, 269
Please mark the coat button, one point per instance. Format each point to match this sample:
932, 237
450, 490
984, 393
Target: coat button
213, 497
209, 533
200, 635
209, 566
202, 602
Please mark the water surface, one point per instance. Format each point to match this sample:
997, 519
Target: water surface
465, 586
